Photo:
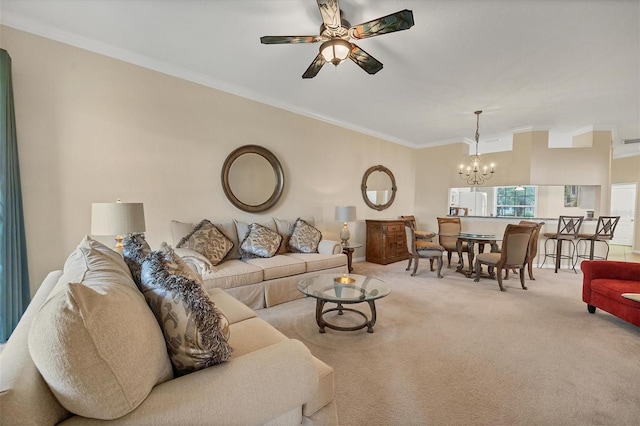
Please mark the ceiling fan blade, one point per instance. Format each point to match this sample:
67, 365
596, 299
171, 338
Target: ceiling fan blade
288, 39
398, 21
364, 60
330, 11
315, 66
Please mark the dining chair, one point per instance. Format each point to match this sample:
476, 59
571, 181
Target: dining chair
420, 234
515, 250
430, 250
448, 230
604, 233
533, 245
568, 229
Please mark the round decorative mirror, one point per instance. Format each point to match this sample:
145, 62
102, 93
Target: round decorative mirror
252, 178
378, 187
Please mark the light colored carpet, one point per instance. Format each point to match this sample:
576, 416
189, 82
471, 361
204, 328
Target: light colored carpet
455, 352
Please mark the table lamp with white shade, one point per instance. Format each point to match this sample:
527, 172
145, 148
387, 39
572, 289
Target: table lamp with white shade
345, 214
117, 219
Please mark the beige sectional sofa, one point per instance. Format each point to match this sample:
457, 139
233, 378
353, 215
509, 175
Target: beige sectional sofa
261, 282
269, 378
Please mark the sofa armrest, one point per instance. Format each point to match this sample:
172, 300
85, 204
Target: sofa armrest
329, 247
250, 390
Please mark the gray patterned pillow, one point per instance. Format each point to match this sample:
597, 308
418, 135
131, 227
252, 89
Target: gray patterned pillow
195, 331
134, 250
260, 242
304, 238
207, 240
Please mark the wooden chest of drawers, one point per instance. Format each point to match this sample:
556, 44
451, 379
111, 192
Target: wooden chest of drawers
386, 241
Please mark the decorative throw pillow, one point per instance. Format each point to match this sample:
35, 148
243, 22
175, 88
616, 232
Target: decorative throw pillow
304, 238
191, 257
207, 240
285, 228
134, 250
260, 242
95, 341
195, 331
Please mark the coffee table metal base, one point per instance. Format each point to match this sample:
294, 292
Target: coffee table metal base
368, 322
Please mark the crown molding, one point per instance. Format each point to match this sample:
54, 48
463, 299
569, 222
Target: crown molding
20, 23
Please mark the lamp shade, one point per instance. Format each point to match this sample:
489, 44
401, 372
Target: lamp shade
345, 213
117, 218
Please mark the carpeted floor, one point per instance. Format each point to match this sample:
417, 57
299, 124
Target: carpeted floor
455, 352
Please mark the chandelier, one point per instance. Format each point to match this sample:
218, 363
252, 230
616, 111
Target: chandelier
476, 173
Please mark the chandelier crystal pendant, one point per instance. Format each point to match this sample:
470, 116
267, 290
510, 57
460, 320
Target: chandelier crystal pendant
476, 173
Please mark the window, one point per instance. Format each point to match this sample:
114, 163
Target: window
516, 203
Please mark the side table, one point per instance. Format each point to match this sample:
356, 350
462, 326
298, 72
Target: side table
348, 250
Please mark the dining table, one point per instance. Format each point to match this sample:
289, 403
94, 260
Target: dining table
472, 238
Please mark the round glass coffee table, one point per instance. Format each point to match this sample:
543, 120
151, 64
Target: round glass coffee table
344, 290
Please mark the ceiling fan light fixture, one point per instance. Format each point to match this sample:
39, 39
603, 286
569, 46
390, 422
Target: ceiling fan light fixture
335, 50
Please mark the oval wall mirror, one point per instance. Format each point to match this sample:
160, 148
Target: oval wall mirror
378, 187
252, 178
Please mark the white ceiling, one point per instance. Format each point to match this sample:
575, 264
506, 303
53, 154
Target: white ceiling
563, 65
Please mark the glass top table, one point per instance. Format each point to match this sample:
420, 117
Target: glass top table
342, 290
472, 239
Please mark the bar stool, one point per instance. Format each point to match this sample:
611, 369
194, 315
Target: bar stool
604, 233
568, 229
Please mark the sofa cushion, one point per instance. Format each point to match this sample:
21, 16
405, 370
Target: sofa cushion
255, 333
318, 262
98, 350
180, 229
260, 242
93, 263
195, 331
207, 240
232, 273
234, 310
24, 394
613, 289
279, 266
95, 341
284, 228
134, 250
304, 238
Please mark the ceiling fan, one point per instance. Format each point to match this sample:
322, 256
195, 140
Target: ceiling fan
335, 33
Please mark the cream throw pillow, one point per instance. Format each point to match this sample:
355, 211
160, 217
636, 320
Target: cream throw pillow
96, 343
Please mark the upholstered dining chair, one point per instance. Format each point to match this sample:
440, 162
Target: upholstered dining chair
568, 230
604, 232
515, 250
533, 246
429, 250
448, 230
420, 234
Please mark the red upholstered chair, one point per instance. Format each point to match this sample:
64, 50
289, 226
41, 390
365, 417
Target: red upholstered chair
603, 284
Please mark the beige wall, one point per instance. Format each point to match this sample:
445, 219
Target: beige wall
93, 129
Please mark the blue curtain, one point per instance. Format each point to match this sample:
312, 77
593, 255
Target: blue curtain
14, 275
